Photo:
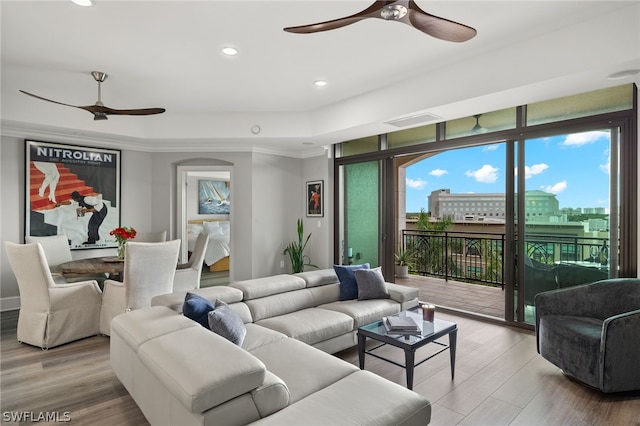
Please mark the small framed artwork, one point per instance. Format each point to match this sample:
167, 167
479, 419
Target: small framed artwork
72, 190
213, 196
315, 200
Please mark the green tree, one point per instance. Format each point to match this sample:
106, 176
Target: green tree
431, 253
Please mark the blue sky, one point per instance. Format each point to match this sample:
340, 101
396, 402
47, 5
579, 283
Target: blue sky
574, 167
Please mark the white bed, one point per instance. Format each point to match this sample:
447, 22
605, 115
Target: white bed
218, 251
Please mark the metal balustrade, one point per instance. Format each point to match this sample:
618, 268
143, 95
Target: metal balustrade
478, 257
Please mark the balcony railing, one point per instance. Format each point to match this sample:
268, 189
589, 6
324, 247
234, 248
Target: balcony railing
478, 257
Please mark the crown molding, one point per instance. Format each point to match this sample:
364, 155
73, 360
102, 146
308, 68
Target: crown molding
19, 129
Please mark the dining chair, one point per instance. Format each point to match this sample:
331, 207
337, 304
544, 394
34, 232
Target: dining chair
149, 270
56, 249
51, 314
188, 274
150, 237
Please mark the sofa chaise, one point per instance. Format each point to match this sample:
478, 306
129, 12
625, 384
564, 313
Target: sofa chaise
180, 372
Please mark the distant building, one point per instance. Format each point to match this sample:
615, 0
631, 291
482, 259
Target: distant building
594, 210
598, 225
571, 211
540, 206
442, 204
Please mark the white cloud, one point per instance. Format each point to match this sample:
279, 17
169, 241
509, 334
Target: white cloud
490, 147
438, 172
485, 174
416, 183
555, 188
579, 139
536, 169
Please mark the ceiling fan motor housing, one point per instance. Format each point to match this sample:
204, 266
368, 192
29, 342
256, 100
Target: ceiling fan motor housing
393, 12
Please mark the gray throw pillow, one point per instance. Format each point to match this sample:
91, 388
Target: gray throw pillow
227, 323
371, 284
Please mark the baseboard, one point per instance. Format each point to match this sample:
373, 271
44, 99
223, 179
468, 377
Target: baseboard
9, 303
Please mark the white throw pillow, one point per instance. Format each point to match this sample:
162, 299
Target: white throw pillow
215, 232
210, 228
195, 228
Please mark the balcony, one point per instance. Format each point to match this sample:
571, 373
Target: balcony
462, 296
464, 270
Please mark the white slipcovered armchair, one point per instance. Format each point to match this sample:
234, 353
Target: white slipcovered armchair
188, 274
56, 249
149, 269
51, 314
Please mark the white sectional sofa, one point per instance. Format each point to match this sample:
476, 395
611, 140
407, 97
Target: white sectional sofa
181, 373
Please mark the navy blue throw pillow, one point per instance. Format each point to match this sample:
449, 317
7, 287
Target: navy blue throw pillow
197, 308
348, 285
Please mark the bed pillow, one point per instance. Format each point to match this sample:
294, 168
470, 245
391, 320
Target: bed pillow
225, 226
227, 323
371, 284
348, 286
210, 227
197, 308
195, 228
215, 232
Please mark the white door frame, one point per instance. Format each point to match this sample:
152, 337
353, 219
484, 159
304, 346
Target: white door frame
181, 216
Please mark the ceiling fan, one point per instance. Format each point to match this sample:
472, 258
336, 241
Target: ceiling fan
405, 11
100, 111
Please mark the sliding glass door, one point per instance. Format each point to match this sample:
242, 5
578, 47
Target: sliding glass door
567, 212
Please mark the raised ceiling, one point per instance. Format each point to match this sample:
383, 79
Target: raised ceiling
167, 54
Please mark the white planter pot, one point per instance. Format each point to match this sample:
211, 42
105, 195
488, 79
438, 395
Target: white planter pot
402, 271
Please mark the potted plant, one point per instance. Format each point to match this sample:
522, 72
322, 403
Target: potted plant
295, 250
404, 260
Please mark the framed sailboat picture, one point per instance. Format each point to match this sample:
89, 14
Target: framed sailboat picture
213, 196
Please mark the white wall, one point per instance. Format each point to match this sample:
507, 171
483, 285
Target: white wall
277, 204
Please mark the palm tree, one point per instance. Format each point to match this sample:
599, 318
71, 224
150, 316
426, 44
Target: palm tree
432, 257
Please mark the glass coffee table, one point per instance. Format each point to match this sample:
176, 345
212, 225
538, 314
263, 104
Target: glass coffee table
429, 332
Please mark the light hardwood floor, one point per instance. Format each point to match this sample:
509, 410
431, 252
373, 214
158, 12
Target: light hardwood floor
499, 380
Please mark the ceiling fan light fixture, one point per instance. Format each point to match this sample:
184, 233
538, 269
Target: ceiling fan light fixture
393, 12
83, 2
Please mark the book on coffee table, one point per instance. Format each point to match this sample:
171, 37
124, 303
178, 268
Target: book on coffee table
401, 325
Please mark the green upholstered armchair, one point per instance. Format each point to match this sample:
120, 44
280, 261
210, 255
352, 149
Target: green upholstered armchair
592, 332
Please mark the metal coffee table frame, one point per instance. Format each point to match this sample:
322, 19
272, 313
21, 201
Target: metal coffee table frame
409, 343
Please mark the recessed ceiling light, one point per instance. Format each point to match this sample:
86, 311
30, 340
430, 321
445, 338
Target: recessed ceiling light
230, 51
83, 2
320, 83
623, 74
